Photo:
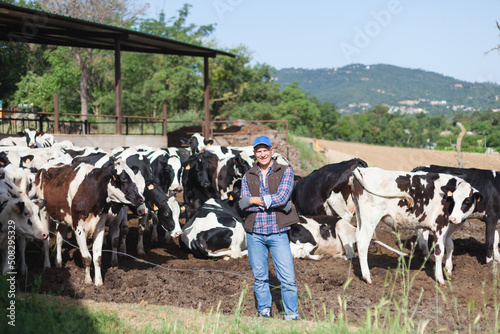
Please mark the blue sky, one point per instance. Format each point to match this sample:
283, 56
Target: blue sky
447, 37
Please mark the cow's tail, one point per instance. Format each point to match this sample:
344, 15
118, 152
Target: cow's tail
390, 248
359, 177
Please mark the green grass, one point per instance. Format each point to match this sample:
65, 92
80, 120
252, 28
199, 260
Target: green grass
310, 160
394, 313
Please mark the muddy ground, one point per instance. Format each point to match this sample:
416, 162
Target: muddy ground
174, 277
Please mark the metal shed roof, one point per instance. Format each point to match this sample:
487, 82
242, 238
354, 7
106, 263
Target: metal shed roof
27, 25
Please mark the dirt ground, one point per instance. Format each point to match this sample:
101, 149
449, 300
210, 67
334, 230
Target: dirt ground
174, 277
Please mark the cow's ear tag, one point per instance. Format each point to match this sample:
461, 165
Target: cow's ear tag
151, 186
28, 160
450, 193
114, 178
231, 197
16, 208
479, 199
155, 208
188, 167
183, 209
1, 163
40, 135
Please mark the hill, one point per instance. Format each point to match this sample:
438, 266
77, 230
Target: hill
359, 87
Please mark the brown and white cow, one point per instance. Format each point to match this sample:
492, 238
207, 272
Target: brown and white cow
79, 196
409, 201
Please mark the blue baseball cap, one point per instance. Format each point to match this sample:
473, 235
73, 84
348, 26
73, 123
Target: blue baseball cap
262, 140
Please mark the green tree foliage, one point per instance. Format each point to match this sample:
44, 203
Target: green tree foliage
239, 89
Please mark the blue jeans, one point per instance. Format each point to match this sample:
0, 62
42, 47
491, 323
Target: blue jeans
259, 246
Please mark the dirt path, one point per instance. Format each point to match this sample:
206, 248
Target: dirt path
405, 159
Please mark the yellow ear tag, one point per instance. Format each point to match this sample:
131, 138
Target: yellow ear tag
28, 160
208, 145
17, 209
40, 135
449, 194
114, 178
1, 163
151, 186
230, 197
155, 207
188, 167
479, 199
183, 208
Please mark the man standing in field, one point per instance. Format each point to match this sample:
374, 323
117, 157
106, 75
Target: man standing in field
265, 198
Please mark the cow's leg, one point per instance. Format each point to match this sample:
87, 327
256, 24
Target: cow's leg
154, 227
423, 242
336, 204
5, 255
97, 249
114, 234
439, 250
123, 235
450, 247
22, 252
363, 239
449, 254
81, 239
347, 235
140, 240
46, 253
59, 241
491, 235
496, 254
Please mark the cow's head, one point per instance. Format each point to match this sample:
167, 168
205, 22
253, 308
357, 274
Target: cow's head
460, 199
122, 187
168, 216
23, 214
174, 162
31, 135
198, 143
195, 170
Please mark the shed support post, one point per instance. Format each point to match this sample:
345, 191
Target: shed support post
118, 88
206, 127
56, 114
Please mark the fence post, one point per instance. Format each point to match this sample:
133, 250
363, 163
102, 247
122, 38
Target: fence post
164, 120
126, 126
56, 113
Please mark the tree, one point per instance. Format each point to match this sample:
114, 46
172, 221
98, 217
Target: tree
108, 11
302, 114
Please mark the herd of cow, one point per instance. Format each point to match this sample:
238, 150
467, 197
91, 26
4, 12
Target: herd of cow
55, 187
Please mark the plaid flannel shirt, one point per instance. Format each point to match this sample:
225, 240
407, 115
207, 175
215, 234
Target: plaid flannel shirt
265, 221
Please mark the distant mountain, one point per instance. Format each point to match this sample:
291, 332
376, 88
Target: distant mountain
359, 87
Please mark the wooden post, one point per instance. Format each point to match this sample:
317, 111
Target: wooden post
206, 127
118, 88
164, 120
459, 145
56, 113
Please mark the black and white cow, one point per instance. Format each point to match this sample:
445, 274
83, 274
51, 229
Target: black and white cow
216, 230
19, 216
326, 191
197, 143
198, 178
29, 138
487, 182
79, 196
409, 201
319, 236
229, 174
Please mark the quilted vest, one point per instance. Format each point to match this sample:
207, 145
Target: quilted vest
274, 180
